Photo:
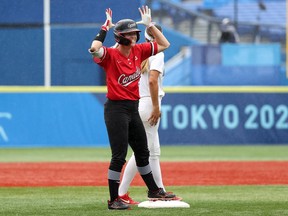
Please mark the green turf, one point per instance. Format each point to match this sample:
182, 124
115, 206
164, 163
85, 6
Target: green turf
169, 153
203, 200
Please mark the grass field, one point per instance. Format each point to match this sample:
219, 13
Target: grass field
169, 153
239, 200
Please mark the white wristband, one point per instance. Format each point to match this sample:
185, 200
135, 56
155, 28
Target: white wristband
150, 24
98, 53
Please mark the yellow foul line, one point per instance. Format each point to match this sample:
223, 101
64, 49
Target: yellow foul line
188, 89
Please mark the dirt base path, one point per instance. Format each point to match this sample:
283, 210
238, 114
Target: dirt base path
174, 173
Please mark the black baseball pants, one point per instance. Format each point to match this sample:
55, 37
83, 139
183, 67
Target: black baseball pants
124, 126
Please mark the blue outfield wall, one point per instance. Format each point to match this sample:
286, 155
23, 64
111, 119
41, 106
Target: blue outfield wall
74, 24
63, 11
46, 119
22, 59
73, 117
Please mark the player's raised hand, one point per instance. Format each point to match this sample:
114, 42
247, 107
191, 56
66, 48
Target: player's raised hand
145, 12
108, 23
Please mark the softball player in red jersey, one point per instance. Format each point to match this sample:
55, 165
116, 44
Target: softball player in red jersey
151, 93
124, 126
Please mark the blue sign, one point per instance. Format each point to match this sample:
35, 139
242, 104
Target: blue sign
206, 117
51, 120
224, 118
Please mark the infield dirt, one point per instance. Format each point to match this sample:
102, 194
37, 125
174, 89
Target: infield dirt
174, 173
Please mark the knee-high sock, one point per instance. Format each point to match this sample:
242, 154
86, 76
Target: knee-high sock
113, 182
156, 170
146, 174
128, 175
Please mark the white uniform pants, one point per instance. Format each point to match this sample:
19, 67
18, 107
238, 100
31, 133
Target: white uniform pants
145, 109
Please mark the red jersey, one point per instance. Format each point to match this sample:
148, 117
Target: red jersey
123, 73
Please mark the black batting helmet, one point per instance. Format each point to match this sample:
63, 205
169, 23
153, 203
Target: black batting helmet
125, 26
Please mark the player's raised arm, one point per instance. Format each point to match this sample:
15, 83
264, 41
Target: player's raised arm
161, 40
96, 46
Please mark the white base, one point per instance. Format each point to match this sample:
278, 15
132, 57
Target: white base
164, 204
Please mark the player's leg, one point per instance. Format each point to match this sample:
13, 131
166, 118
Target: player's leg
128, 175
154, 148
117, 127
131, 168
138, 143
145, 110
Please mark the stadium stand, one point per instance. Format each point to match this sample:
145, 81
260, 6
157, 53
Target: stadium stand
254, 19
192, 26
270, 16
260, 28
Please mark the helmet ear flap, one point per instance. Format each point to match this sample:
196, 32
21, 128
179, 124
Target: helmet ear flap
116, 36
121, 40
138, 36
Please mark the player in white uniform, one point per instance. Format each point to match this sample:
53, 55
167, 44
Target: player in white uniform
151, 93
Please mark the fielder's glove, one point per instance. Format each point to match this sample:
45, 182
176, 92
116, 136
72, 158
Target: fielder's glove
145, 12
108, 23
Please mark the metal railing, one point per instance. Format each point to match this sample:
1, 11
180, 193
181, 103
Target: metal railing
205, 27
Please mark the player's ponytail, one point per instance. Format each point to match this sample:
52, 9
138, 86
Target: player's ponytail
145, 66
